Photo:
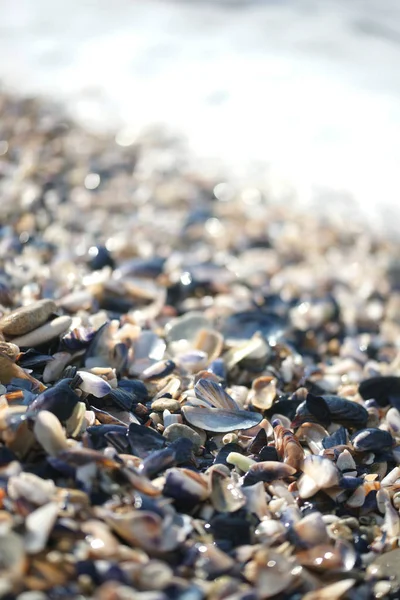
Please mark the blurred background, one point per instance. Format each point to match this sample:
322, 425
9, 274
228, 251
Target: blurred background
305, 93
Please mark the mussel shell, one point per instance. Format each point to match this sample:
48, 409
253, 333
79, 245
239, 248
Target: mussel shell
59, 399
338, 438
332, 409
383, 389
224, 452
243, 325
97, 434
143, 440
219, 420
372, 439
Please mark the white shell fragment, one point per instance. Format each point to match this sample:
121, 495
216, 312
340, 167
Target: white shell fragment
93, 384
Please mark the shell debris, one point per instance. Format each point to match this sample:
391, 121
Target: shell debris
199, 395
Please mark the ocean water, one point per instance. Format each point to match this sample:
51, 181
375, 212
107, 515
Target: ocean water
305, 92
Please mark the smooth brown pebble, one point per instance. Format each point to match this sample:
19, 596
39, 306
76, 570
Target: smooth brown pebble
166, 404
27, 318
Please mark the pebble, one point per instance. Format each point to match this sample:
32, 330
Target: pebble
27, 318
45, 333
178, 430
166, 404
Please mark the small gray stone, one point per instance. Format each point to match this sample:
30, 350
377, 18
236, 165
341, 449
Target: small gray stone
25, 319
178, 430
166, 404
44, 333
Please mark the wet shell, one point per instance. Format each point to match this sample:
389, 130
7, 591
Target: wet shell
372, 439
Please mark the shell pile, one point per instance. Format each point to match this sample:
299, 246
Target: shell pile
199, 389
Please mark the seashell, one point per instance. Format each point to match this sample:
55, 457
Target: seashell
267, 471
214, 395
217, 367
93, 384
31, 487
391, 477
186, 327
27, 318
169, 419
346, 464
9, 370
256, 350
338, 438
78, 338
217, 412
100, 539
49, 433
318, 473
263, 392
256, 500
288, 447
391, 523
54, 368
243, 325
331, 409
321, 470
192, 361
269, 532
225, 495
104, 350
45, 333
158, 370
393, 421
148, 349
209, 341
313, 434
186, 487
380, 388
59, 400
219, 420
178, 430
178, 452
172, 387
371, 439
312, 530
143, 529
320, 558
143, 440
76, 423
271, 573
39, 525
211, 562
